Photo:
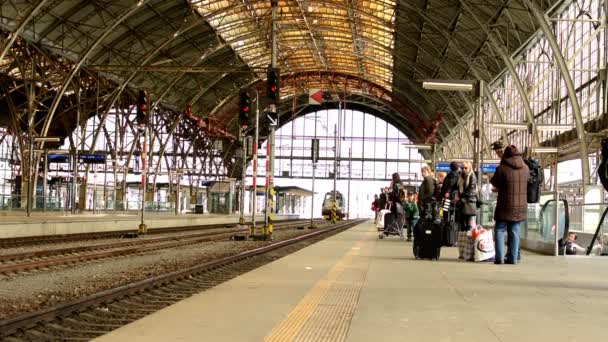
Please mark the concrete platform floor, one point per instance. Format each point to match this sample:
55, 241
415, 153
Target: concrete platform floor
354, 287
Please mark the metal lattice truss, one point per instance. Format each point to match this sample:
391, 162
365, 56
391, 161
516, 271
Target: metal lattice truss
371, 54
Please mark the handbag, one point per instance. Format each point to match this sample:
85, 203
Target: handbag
469, 208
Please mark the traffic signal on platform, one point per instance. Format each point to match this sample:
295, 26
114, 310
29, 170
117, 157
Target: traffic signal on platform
142, 107
244, 109
273, 86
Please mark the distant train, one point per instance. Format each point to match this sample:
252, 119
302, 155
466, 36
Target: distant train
328, 203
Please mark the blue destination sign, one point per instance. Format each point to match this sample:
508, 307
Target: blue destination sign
57, 159
485, 168
489, 168
92, 158
443, 167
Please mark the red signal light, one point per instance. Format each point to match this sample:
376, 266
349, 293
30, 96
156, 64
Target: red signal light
246, 109
273, 88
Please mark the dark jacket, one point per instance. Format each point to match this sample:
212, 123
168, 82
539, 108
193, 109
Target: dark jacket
395, 194
382, 201
426, 190
469, 190
511, 181
450, 184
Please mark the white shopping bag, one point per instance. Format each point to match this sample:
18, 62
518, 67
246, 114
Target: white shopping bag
380, 224
483, 244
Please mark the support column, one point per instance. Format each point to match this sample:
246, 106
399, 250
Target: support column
82, 195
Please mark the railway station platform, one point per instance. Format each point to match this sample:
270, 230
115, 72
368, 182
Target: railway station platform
44, 224
355, 287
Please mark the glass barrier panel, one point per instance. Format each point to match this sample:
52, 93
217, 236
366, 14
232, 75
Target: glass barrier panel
530, 229
547, 225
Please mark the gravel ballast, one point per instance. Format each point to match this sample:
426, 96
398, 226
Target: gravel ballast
25, 293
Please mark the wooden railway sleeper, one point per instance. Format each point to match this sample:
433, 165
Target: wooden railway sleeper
87, 332
108, 327
109, 318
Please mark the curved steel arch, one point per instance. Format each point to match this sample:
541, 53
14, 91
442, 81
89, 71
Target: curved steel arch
330, 105
21, 26
565, 73
77, 66
455, 45
510, 67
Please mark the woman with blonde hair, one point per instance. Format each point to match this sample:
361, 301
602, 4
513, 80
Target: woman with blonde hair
466, 202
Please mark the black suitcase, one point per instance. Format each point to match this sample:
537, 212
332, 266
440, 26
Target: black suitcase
388, 220
427, 240
449, 232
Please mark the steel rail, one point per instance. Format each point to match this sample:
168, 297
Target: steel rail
33, 240
23, 322
99, 252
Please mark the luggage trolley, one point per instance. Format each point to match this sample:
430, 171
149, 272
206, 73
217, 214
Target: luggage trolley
392, 225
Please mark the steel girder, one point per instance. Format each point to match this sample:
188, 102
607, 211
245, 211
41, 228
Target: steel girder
205, 92
565, 74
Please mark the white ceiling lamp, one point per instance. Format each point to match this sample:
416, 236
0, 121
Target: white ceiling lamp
47, 139
554, 128
418, 146
58, 152
448, 85
544, 149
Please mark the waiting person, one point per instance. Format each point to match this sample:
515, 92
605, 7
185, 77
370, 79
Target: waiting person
440, 179
449, 188
499, 148
466, 204
601, 245
571, 247
411, 214
511, 182
383, 199
375, 207
395, 198
427, 188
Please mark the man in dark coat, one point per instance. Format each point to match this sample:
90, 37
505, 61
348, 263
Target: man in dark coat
449, 188
383, 198
510, 181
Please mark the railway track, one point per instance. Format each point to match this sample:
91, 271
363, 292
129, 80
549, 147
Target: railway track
61, 238
98, 314
28, 261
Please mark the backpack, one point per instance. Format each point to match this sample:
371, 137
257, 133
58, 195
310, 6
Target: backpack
535, 180
602, 170
402, 193
437, 191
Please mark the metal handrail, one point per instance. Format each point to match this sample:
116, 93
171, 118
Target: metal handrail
597, 231
566, 218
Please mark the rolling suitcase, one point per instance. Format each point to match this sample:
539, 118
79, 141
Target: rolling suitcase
427, 240
382, 216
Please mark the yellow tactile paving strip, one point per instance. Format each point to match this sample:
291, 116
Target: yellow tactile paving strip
324, 314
